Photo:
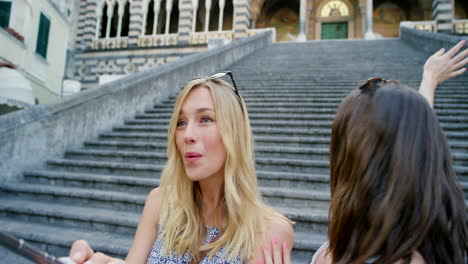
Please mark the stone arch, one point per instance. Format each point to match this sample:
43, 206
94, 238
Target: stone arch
387, 17
282, 15
103, 20
117, 10
461, 9
125, 19
214, 21
341, 20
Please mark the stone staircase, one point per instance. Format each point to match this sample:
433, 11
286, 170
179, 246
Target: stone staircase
292, 91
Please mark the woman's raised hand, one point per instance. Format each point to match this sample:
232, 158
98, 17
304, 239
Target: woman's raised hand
276, 253
442, 66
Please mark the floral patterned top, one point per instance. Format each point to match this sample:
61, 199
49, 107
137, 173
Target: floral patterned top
156, 257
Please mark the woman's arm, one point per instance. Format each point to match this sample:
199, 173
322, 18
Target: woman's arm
440, 67
147, 230
146, 234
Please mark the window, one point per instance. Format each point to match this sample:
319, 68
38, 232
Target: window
335, 8
5, 9
43, 36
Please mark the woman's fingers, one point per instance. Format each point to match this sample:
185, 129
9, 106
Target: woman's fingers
80, 251
99, 258
277, 252
455, 49
267, 254
456, 73
460, 56
286, 253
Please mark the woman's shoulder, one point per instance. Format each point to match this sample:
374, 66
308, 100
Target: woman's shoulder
279, 228
153, 201
155, 194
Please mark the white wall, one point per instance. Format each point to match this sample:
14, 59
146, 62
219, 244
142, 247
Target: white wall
46, 75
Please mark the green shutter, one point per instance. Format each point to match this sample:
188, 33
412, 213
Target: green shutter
5, 9
43, 36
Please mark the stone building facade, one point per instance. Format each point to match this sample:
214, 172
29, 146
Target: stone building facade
119, 37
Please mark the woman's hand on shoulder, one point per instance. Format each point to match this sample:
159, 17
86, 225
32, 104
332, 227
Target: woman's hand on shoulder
442, 66
277, 245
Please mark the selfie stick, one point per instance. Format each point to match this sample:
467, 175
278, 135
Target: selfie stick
20, 247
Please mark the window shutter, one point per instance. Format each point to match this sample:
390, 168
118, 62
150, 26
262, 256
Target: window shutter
5, 9
43, 36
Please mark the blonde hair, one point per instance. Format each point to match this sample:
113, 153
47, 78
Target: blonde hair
246, 214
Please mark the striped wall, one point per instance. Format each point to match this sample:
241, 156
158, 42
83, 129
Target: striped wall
185, 20
442, 14
241, 18
136, 22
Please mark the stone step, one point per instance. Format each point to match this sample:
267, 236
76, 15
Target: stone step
125, 145
293, 165
75, 196
307, 219
70, 216
141, 157
305, 246
287, 197
294, 180
106, 167
130, 184
58, 240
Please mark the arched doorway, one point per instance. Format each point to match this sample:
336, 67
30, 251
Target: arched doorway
386, 19
461, 9
335, 20
282, 15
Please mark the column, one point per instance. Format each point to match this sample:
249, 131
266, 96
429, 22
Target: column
302, 22
241, 18
136, 22
221, 14
156, 9
186, 25
168, 15
194, 12
121, 12
144, 10
207, 14
442, 14
110, 13
369, 10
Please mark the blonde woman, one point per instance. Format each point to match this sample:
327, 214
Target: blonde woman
208, 208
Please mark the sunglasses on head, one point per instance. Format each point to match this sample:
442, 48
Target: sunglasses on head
373, 82
218, 76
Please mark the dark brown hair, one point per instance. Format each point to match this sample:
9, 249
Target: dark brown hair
394, 190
